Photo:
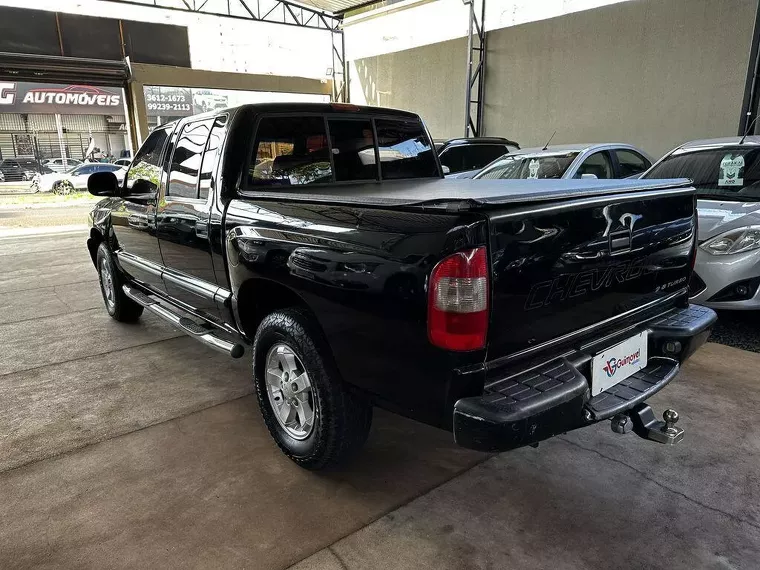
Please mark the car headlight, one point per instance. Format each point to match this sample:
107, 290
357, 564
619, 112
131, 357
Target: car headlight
734, 241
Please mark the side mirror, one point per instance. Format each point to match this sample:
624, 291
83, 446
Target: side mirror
103, 184
588, 177
446, 169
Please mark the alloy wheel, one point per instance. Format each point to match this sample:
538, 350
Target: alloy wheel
106, 284
290, 392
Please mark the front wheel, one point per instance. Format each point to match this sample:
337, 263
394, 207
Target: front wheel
64, 188
312, 416
118, 305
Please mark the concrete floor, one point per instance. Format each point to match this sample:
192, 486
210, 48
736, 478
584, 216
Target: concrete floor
135, 447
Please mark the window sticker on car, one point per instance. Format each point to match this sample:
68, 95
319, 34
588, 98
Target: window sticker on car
731, 171
533, 169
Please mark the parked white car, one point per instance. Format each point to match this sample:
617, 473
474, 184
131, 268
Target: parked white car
603, 161
123, 162
62, 164
76, 178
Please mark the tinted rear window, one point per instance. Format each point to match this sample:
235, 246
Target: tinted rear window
725, 172
353, 149
290, 151
405, 150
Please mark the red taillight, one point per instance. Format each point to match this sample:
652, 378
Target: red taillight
458, 301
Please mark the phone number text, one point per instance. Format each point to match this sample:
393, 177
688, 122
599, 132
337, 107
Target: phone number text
165, 98
168, 106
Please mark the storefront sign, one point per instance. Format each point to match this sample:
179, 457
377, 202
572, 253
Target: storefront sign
168, 101
22, 97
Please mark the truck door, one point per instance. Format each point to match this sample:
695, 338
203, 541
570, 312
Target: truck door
182, 218
134, 218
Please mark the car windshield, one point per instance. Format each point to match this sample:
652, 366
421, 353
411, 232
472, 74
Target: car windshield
529, 166
724, 172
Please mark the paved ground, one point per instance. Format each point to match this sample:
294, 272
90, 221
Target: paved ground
41, 215
134, 447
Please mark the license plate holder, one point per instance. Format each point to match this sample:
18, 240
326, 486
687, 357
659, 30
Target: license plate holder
616, 363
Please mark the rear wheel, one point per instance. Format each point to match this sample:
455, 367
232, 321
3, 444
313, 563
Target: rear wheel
309, 411
118, 305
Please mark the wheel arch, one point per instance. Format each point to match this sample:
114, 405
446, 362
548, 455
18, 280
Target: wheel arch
95, 239
257, 297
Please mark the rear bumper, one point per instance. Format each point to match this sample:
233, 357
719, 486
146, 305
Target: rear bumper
555, 397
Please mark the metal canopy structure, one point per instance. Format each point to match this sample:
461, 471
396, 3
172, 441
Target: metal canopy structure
324, 15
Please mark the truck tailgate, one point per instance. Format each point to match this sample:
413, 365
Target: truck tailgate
567, 268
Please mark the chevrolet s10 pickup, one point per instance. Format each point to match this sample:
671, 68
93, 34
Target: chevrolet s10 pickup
323, 241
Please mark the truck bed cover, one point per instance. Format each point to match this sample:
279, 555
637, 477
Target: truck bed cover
476, 193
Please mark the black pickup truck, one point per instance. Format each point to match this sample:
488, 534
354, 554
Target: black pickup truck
323, 238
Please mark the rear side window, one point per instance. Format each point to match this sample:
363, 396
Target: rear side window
290, 151
405, 150
186, 160
631, 163
147, 162
471, 157
211, 155
598, 164
353, 149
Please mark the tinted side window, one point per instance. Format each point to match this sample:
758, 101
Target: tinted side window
211, 155
597, 164
453, 157
147, 162
405, 150
471, 157
353, 149
186, 160
290, 151
631, 163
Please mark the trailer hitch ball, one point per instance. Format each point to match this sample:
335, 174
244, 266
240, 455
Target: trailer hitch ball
621, 424
647, 426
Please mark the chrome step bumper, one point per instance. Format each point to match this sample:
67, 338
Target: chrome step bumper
188, 326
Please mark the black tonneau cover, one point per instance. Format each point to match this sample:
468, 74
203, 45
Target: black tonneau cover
476, 193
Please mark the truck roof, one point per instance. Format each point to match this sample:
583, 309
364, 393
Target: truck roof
299, 107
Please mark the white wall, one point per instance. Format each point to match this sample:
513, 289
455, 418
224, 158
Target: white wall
416, 23
654, 73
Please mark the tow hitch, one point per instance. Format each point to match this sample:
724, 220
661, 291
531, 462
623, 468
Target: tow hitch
642, 422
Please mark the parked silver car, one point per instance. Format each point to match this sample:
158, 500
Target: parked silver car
61, 164
603, 161
726, 174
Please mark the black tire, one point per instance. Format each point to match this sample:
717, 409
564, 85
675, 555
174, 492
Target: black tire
342, 420
119, 306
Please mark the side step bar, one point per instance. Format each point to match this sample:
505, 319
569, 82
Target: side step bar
186, 325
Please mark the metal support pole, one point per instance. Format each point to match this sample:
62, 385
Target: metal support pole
482, 68
61, 145
468, 76
339, 67
476, 66
751, 94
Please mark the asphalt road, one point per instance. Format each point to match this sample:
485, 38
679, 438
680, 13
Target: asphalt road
740, 329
